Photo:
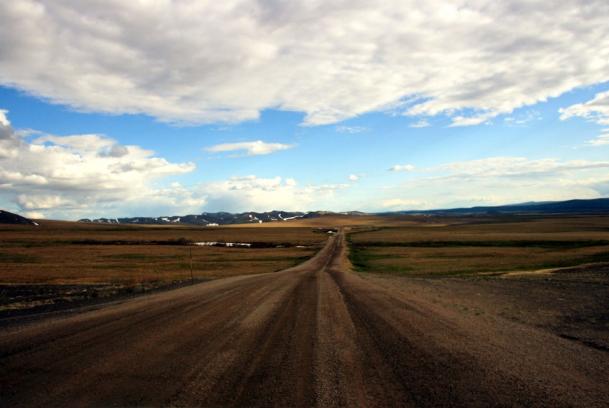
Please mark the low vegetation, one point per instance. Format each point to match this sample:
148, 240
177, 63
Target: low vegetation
61, 262
481, 245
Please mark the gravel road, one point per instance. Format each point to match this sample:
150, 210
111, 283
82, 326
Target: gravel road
313, 335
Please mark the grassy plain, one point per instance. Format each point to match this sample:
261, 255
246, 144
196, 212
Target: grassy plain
66, 262
479, 245
72, 253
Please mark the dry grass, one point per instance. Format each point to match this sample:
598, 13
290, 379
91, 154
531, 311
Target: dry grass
59, 233
51, 253
482, 245
87, 264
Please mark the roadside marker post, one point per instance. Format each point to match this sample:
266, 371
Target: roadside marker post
192, 278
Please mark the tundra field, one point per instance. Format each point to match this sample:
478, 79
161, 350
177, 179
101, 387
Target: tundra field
382, 311
60, 263
481, 246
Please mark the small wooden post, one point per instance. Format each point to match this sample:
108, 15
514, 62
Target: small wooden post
192, 278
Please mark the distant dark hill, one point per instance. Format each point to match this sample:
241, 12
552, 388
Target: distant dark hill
593, 206
10, 218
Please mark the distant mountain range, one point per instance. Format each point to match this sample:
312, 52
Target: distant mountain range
10, 218
218, 218
592, 206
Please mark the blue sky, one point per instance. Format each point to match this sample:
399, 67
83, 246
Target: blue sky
350, 114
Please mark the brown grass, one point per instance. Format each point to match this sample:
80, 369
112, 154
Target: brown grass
482, 245
50, 253
58, 232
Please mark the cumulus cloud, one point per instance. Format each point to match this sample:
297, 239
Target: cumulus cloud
3, 119
402, 167
83, 174
354, 177
193, 61
255, 148
36, 215
92, 175
595, 110
252, 193
500, 180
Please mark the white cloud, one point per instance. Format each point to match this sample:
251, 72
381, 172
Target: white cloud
350, 129
34, 215
500, 180
78, 175
516, 166
420, 124
92, 175
402, 167
353, 177
3, 119
473, 120
595, 110
251, 193
404, 204
601, 140
193, 61
255, 148
523, 118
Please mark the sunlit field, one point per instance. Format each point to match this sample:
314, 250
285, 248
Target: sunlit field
482, 245
67, 262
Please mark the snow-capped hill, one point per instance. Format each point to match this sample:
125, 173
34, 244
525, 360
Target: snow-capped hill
209, 219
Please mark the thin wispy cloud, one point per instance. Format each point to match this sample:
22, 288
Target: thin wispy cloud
423, 123
401, 203
402, 167
475, 119
600, 140
255, 148
499, 180
516, 166
351, 129
595, 110
523, 119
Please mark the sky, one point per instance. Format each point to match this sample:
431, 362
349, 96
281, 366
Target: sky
158, 107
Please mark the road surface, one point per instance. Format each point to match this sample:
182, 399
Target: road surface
313, 335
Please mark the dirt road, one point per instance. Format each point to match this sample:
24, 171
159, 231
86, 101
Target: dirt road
312, 335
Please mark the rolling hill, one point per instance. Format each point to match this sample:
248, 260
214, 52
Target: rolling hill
592, 206
10, 218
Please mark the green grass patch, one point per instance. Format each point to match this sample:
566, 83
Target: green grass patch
550, 244
139, 257
364, 258
17, 258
